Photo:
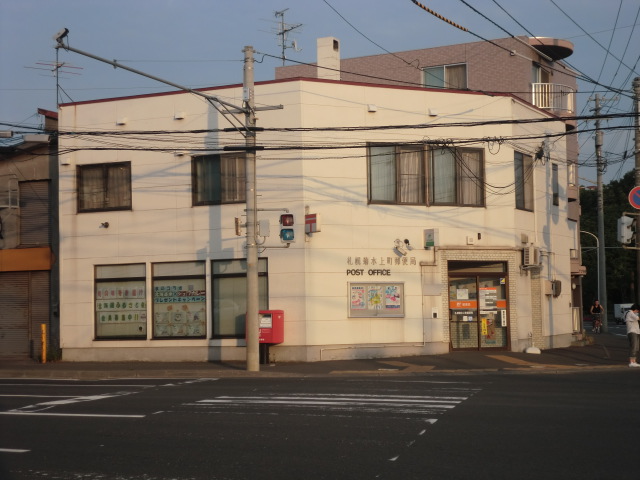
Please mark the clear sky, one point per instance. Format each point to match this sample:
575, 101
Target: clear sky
198, 43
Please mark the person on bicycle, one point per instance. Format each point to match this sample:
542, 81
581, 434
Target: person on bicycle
596, 312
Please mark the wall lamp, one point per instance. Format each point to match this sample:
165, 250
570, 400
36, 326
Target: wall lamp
104, 225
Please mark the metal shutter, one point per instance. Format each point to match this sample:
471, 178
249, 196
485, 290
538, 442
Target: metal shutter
14, 314
35, 216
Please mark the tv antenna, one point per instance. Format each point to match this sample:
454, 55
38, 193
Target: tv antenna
283, 31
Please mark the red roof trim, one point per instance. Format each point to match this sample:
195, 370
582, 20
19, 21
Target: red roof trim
48, 113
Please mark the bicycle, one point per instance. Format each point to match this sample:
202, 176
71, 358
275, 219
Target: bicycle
597, 323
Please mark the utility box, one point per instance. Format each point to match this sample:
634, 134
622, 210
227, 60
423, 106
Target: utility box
271, 326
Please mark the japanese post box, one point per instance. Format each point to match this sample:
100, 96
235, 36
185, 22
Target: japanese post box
271, 326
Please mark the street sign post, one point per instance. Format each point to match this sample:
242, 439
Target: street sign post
634, 197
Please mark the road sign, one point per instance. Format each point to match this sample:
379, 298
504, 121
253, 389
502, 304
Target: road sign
634, 197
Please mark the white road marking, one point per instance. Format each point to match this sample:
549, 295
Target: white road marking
103, 385
36, 396
13, 450
424, 405
51, 414
38, 408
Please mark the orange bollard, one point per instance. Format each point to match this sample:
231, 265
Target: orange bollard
43, 331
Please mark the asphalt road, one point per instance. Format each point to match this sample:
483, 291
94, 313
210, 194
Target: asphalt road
480, 426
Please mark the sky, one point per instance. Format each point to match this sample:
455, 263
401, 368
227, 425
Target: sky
199, 43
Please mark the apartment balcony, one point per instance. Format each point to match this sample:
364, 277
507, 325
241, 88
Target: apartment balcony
553, 96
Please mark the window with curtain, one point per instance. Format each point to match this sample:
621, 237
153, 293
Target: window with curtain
218, 179
457, 177
397, 174
105, 186
414, 175
446, 76
523, 165
229, 278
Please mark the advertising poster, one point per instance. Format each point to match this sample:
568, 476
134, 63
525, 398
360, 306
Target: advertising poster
121, 309
392, 296
376, 300
374, 297
179, 308
357, 298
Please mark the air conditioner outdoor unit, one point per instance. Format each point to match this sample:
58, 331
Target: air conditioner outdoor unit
530, 256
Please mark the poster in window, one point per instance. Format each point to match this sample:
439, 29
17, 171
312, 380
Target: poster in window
121, 309
357, 297
374, 297
179, 308
392, 297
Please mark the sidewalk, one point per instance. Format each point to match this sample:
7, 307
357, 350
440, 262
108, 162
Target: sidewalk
608, 351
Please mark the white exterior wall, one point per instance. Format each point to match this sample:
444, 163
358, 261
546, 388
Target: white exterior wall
309, 280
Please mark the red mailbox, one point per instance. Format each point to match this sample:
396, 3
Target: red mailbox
271, 326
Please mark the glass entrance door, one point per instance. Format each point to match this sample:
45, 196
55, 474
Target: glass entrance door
478, 309
492, 306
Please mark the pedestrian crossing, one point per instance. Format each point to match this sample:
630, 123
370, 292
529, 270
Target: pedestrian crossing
421, 405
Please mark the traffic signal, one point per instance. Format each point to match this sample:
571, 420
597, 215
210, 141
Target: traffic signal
287, 234
625, 230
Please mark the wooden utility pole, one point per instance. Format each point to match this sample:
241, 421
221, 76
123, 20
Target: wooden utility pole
636, 109
601, 242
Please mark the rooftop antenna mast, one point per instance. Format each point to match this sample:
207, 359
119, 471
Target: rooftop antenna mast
283, 30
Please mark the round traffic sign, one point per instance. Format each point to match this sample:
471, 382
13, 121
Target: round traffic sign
634, 197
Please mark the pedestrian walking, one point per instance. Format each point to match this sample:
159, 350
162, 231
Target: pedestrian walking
633, 333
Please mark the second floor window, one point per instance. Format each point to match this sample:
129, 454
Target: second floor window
415, 175
446, 76
105, 186
555, 184
218, 179
523, 181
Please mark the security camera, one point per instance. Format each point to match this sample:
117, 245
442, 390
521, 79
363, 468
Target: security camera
61, 34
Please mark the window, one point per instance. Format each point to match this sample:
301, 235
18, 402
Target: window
446, 76
230, 296
403, 174
120, 308
218, 179
523, 181
539, 74
397, 174
104, 186
179, 300
555, 184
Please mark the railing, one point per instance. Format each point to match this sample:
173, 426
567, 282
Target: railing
553, 96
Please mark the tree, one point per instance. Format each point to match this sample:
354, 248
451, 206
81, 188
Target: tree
620, 262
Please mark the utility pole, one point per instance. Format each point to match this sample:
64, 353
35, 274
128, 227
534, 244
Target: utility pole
636, 109
602, 275
253, 321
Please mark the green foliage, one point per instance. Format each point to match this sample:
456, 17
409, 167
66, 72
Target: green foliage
621, 263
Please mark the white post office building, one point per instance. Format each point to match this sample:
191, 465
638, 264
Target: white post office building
425, 221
